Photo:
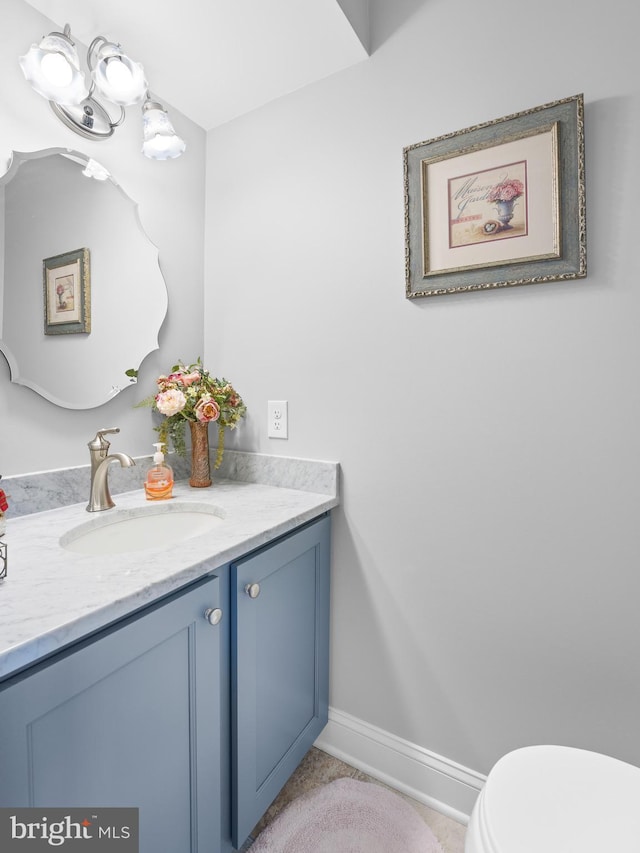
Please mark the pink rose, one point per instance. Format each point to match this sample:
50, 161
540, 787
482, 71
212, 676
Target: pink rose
190, 378
186, 379
506, 190
207, 410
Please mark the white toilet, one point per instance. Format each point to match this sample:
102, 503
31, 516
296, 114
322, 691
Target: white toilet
556, 799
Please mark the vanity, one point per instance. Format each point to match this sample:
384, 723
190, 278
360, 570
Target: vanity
187, 680
168, 656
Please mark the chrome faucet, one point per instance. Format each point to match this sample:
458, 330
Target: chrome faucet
99, 497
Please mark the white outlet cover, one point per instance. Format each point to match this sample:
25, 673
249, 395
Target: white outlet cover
277, 419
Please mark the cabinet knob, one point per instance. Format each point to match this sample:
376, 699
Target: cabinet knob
252, 590
213, 615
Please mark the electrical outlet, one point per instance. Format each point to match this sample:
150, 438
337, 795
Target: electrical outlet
277, 420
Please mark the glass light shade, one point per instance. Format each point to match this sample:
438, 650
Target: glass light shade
119, 78
53, 69
56, 69
160, 139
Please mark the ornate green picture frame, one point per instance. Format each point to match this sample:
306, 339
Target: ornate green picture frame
498, 204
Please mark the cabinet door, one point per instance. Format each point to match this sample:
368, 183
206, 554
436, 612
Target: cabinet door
119, 721
279, 666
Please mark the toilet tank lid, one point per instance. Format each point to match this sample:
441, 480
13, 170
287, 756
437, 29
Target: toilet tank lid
558, 798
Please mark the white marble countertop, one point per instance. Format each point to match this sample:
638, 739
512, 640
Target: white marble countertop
52, 597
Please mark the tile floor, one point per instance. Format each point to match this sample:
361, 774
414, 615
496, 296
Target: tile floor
318, 768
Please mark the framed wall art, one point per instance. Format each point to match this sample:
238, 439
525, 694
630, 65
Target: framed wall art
498, 204
67, 293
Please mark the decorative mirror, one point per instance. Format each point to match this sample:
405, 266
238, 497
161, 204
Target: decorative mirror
82, 296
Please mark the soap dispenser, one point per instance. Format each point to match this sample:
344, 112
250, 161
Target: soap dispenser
158, 485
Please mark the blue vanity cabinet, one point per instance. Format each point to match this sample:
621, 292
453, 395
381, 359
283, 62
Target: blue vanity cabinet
279, 666
196, 709
131, 717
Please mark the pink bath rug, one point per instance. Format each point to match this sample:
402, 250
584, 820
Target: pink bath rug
347, 816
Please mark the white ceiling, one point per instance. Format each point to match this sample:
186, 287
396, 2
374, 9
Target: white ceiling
217, 59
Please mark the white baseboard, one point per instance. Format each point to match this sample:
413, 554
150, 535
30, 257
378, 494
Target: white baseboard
431, 779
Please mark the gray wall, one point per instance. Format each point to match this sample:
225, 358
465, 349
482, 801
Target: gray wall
34, 433
486, 584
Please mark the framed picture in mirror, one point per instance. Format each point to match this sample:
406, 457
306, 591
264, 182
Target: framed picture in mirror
67, 293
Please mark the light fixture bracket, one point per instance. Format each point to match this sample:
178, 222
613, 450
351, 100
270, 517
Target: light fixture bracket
88, 118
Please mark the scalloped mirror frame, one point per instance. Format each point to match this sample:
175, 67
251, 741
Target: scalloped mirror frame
128, 293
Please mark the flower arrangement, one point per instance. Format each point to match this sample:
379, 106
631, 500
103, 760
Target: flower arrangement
506, 190
190, 393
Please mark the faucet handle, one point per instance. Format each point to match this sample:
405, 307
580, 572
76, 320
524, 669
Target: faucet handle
100, 442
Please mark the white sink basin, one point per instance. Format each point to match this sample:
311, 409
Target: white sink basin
157, 526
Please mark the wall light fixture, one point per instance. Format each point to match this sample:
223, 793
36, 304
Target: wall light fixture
53, 69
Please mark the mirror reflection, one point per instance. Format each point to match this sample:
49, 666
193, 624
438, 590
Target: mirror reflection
82, 297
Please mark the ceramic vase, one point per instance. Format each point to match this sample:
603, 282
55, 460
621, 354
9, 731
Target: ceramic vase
505, 212
200, 464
